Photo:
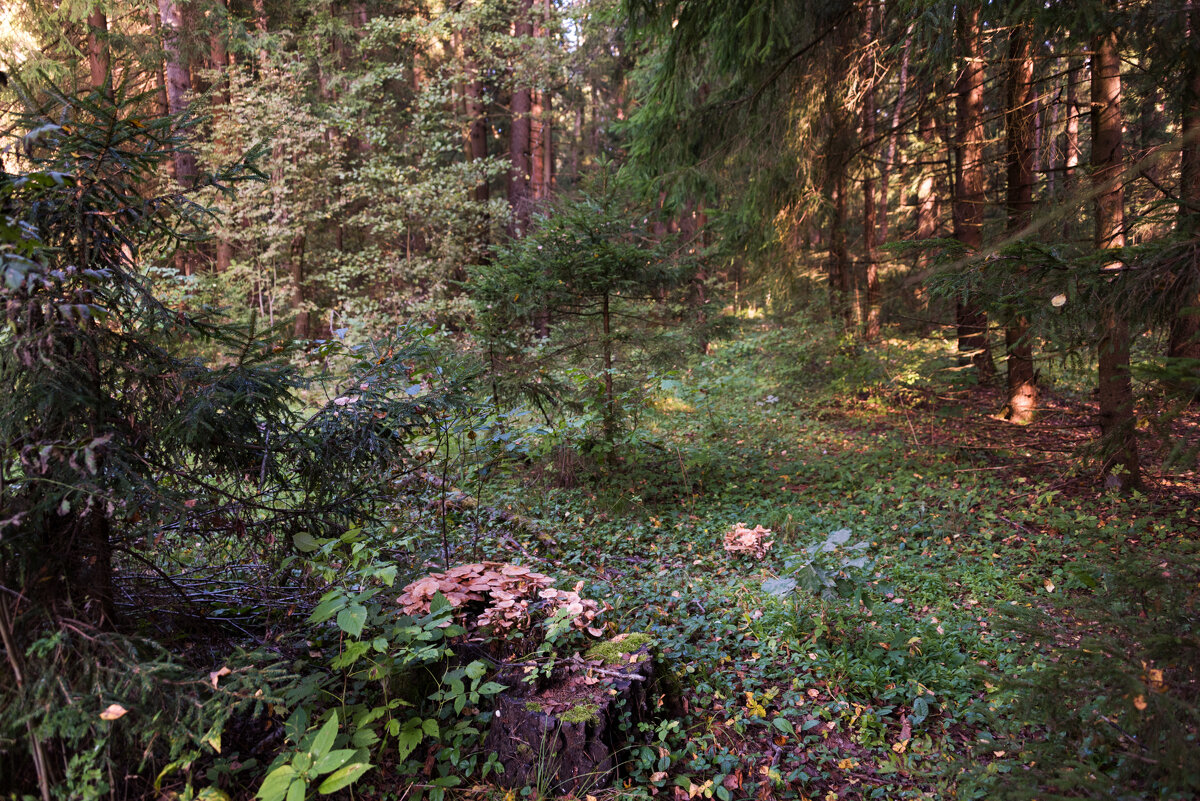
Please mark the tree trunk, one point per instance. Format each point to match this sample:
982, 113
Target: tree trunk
1117, 421
869, 310
178, 84
1019, 124
98, 57
520, 170
1185, 328
295, 269
889, 160
968, 194
1071, 151
928, 209
478, 132
839, 259
218, 56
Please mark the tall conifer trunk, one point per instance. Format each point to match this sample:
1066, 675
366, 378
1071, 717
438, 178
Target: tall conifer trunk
178, 83
1185, 328
870, 298
1019, 127
519, 140
98, 54
1117, 421
968, 190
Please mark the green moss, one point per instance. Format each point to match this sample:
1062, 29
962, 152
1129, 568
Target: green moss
533, 706
580, 714
612, 652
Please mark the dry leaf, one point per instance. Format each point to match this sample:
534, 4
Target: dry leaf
113, 712
217, 674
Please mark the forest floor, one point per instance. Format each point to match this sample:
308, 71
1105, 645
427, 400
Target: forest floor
976, 529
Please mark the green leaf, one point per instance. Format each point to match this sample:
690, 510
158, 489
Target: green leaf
476, 669
296, 790
779, 587
343, 777
305, 542
325, 737
492, 688
333, 760
784, 725
352, 619
275, 786
328, 607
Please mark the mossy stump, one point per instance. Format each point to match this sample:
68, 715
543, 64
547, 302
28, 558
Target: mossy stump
562, 738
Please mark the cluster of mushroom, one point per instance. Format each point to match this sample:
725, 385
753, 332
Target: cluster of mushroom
742, 539
500, 597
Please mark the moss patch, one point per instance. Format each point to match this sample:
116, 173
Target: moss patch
612, 652
580, 714
533, 706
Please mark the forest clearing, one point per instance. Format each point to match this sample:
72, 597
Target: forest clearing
599, 399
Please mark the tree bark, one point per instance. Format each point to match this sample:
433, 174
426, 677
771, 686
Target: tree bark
1072, 152
519, 141
478, 132
889, 160
1185, 328
178, 84
928, 210
1019, 128
870, 299
1117, 421
98, 54
968, 194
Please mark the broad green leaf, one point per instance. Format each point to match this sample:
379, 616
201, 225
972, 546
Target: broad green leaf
275, 786
476, 669
784, 725
305, 542
328, 607
325, 737
779, 587
333, 760
352, 619
296, 790
343, 777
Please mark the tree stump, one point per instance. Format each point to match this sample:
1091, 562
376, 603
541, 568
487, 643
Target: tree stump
563, 738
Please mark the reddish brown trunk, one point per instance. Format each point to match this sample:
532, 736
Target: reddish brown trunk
968, 194
1117, 421
98, 63
1185, 328
178, 84
1019, 125
519, 141
928, 210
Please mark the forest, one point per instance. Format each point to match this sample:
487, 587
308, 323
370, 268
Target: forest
487, 400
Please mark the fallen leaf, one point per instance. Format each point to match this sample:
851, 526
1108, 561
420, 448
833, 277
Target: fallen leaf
217, 674
113, 712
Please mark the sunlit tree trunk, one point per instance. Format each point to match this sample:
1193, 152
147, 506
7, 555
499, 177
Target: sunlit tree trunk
178, 83
98, 53
928, 209
218, 56
1117, 422
968, 194
1019, 129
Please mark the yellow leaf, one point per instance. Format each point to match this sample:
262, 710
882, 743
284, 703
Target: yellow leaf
1139, 702
900, 747
1049, 585
113, 712
847, 764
